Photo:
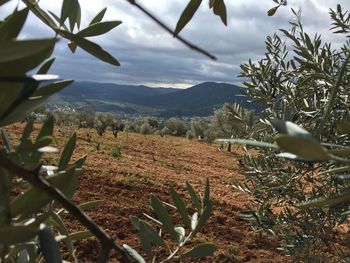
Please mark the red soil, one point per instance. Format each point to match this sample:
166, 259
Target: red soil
149, 165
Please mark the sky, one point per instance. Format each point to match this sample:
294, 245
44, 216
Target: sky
150, 56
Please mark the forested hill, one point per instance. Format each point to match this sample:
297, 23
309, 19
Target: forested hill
199, 100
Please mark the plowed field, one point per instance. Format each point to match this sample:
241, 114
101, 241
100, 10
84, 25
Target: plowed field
149, 165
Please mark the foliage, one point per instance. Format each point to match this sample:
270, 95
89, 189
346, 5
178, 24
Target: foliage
176, 127
199, 126
145, 128
300, 184
116, 153
234, 120
102, 121
116, 126
189, 135
86, 119
171, 237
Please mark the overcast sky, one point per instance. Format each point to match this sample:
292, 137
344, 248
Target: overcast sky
150, 56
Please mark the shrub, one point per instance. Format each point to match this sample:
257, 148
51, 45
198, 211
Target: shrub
189, 135
145, 128
102, 121
199, 126
301, 193
176, 127
86, 119
116, 153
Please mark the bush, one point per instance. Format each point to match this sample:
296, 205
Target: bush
116, 153
300, 187
189, 135
145, 128
199, 126
86, 119
176, 127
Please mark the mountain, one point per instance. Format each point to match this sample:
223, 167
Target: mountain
199, 100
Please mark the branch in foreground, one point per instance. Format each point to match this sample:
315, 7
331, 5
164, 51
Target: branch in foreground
107, 243
170, 31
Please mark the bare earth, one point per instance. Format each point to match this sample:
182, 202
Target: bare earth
149, 165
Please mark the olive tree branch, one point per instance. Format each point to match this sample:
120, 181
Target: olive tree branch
32, 176
170, 31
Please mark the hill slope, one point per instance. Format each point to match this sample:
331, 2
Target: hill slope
149, 165
198, 100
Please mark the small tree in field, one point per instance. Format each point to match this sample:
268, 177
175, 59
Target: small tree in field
102, 121
117, 126
86, 119
176, 127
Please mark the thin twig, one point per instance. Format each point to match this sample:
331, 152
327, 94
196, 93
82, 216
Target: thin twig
170, 31
107, 243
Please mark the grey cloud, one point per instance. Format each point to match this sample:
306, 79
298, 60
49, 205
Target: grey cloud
151, 56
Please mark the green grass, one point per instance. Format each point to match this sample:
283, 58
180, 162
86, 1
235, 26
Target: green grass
116, 153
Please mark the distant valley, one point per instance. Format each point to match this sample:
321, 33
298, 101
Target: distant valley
199, 100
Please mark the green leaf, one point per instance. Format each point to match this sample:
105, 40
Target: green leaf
344, 152
34, 199
194, 197
187, 15
90, 205
90, 47
28, 129
67, 152
202, 250
17, 57
52, 88
163, 216
328, 201
32, 147
134, 254
151, 234
11, 235
46, 66
98, 28
181, 207
98, 18
13, 24
49, 246
307, 148
272, 11
219, 9
71, 9
72, 46
206, 196
58, 223
289, 128
145, 241
135, 222
58, 20
46, 129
